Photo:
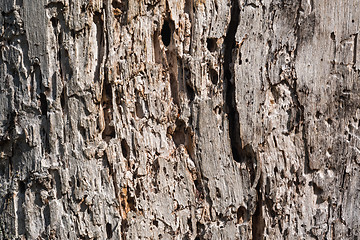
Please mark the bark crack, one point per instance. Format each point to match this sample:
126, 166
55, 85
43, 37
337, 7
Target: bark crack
230, 94
258, 222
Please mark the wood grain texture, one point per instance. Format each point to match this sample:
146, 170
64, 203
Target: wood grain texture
179, 119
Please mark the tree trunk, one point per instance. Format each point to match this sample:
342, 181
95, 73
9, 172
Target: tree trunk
179, 119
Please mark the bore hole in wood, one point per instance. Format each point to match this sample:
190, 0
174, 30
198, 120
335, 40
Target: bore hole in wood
125, 149
211, 44
109, 230
214, 76
166, 33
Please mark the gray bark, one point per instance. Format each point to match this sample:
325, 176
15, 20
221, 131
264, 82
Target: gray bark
179, 119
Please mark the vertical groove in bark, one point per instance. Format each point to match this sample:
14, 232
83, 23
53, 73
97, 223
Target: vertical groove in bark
229, 81
258, 222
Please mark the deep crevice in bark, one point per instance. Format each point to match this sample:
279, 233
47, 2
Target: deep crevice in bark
230, 97
129, 39
166, 33
20, 208
109, 230
100, 40
258, 222
107, 106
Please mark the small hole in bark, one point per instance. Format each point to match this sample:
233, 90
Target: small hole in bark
166, 33
318, 114
211, 44
332, 36
155, 223
329, 121
179, 133
330, 151
214, 76
139, 110
108, 133
83, 8
218, 194
54, 22
117, 4
78, 183
125, 149
109, 230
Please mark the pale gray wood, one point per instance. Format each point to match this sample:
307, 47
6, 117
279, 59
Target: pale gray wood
155, 119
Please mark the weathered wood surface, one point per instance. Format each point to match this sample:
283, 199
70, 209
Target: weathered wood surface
179, 119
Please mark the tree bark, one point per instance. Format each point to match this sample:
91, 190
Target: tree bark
179, 119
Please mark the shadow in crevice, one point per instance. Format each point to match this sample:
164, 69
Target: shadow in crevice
229, 82
258, 222
184, 135
120, 10
166, 33
107, 107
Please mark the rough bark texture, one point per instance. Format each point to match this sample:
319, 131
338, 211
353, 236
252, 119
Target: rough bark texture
179, 119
